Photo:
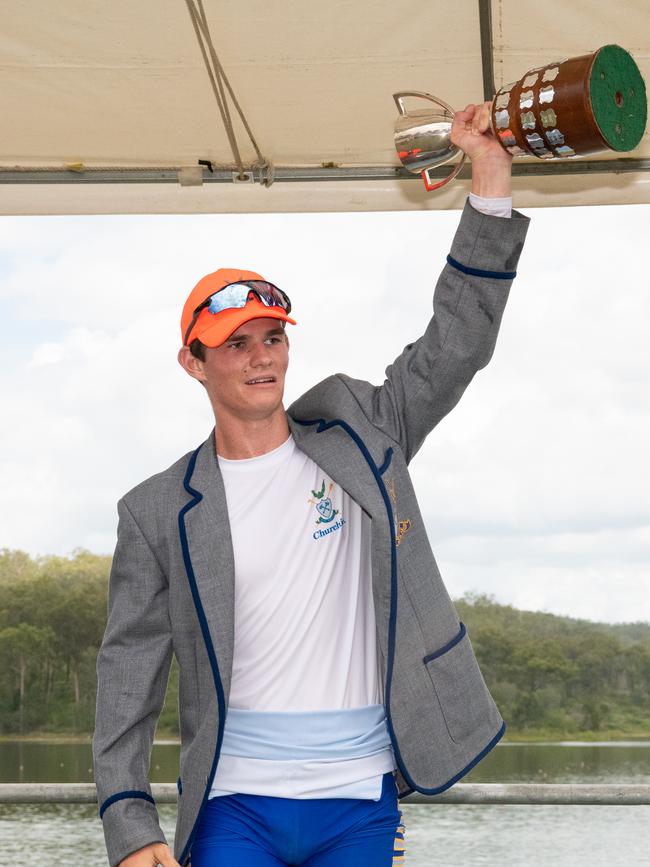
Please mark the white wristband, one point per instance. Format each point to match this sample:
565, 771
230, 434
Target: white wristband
496, 207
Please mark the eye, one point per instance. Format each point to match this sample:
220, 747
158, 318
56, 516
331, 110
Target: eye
236, 344
273, 339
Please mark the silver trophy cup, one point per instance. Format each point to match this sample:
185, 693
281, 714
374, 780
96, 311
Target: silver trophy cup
423, 137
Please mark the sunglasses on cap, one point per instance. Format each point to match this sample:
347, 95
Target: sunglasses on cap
236, 295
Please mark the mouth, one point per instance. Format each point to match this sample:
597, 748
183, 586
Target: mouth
261, 380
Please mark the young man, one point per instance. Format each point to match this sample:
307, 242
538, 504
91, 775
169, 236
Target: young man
323, 671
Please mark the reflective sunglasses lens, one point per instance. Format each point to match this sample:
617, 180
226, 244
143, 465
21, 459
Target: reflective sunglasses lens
236, 295
271, 295
230, 296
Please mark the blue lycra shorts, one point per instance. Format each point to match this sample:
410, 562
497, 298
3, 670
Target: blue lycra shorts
261, 831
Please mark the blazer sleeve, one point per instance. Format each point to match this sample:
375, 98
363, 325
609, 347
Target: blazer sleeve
427, 380
132, 673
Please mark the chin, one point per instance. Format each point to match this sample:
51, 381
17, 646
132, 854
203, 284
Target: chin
265, 403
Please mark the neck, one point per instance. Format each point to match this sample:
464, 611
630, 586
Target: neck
247, 438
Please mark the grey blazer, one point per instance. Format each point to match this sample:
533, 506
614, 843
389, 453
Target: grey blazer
171, 587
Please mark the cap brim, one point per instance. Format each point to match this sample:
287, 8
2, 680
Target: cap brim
214, 330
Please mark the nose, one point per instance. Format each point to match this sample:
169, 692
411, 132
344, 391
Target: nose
260, 356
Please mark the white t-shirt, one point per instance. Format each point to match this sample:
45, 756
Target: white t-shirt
305, 638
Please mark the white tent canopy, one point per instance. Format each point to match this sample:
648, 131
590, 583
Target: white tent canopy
108, 106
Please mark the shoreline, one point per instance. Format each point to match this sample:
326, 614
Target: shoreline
511, 738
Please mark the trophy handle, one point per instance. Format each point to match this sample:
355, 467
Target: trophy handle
399, 98
403, 94
429, 186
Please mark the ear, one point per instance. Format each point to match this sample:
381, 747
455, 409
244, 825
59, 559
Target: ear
191, 364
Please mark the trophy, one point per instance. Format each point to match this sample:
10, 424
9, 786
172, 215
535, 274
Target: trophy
571, 108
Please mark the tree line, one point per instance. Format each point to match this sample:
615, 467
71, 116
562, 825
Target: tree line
550, 675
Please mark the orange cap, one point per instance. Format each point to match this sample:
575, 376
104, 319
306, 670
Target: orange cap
213, 329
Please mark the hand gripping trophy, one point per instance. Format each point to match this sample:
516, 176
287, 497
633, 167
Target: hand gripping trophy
571, 108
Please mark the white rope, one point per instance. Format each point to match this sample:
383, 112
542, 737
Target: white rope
218, 79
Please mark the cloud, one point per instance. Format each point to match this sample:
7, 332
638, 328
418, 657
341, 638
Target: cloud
533, 488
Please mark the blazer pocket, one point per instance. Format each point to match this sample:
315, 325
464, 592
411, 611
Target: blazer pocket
464, 699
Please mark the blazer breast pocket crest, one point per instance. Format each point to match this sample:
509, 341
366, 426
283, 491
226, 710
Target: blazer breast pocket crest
402, 525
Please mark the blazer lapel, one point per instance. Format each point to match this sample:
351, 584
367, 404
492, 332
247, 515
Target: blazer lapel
210, 551
337, 453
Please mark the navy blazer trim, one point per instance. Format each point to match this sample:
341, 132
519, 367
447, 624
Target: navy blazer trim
478, 272
462, 632
127, 793
392, 622
197, 496
387, 459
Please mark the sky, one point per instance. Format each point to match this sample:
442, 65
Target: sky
534, 489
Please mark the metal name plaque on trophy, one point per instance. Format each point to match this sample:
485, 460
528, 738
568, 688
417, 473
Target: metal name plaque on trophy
571, 108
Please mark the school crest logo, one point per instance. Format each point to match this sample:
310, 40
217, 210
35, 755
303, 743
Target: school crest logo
323, 504
401, 527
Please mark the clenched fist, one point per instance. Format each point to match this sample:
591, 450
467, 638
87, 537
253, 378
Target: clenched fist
491, 164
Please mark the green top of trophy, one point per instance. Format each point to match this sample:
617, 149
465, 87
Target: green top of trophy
618, 98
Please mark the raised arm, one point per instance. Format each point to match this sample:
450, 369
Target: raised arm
427, 380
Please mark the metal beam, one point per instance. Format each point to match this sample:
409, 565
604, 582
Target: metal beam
170, 175
583, 794
487, 51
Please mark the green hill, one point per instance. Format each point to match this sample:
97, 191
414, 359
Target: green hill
552, 677
559, 676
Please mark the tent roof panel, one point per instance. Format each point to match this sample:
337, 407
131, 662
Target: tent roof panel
123, 85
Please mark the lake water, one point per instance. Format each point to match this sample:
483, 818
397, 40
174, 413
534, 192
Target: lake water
469, 836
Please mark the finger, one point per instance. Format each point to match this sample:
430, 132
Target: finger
466, 114
163, 854
476, 130
483, 121
486, 115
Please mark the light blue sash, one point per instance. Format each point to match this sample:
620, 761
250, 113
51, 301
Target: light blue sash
349, 733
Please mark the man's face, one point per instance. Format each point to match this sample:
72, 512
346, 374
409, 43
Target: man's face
245, 375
